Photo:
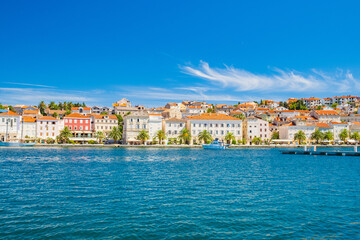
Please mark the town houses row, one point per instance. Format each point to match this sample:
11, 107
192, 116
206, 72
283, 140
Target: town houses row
245, 121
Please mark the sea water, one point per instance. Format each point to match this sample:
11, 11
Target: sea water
112, 193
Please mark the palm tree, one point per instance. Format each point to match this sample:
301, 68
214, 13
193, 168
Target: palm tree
143, 136
205, 136
115, 134
275, 135
100, 136
343, 135
256, 140
229, 137
355, 136
185, 135
328, 136
300, 136
55, 115
64, 135
160, 135
317, 135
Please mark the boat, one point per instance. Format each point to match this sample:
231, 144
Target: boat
16, 144
216, 144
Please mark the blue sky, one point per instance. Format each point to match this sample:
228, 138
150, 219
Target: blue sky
153, 52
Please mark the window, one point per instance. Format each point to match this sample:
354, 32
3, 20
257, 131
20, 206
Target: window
70, 128
144, 126
41, 122
81, 128
222, 132
222, 125
86, 128
75, 128
137, 126
169, 124
75, 121
81, 121
175, 132
70, 120
180, 124
53, 128
53, 134
86, 121
210, 124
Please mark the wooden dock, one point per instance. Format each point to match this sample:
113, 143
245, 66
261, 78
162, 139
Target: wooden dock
307, 151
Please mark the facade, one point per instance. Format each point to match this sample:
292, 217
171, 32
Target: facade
48, 127
9, 126
80, 126
104, 123
326, 116
124, 107
28, 128
337, 127
60, 113
173, 126
155, 124
134, 123
288, 131
312, 102
256, 127
218, 125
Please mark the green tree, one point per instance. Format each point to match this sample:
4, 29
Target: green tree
343, 135
55, 115
229, 137
328, 136
115, 134
317, 135
143, 136
100, 136
64, 135
160, 135
205, 136
256, 140
185, 136
275, 135
53, 105
298, 105
300, 136
42, 107
240, 116
210, 110
104, 113
355, 136
334, 105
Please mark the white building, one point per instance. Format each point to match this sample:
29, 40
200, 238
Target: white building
49, 127
256, 127
28, 128
133, 125
104, 123
326, 116
81, 110
288, 131
9, 126
337, 128
217, 124
155, 124
173, 126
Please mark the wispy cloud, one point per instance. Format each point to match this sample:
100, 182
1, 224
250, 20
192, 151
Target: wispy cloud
29, 84
35, 95
277, 81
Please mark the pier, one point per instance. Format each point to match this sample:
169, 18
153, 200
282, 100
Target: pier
313, 151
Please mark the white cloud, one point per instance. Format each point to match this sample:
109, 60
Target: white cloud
29, 84
35, 95
278, 80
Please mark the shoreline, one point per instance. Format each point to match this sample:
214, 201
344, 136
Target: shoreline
177, 146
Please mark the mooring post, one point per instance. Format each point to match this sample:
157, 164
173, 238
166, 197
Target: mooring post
314, 148
355, 148
305, 148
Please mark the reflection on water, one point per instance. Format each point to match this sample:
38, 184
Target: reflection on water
177, 193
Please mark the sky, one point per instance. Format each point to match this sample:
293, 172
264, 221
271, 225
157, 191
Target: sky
154, 52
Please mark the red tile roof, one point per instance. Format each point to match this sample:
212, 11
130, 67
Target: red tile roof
323, 125
47, 118
327, 112
29, 119
212, 116
9, 113
76, 115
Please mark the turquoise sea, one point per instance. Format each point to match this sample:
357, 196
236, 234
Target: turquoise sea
93, 193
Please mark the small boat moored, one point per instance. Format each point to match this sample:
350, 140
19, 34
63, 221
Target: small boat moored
216, 144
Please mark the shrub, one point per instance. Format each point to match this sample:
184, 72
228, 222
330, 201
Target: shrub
92, 142
233, 142
50, 141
